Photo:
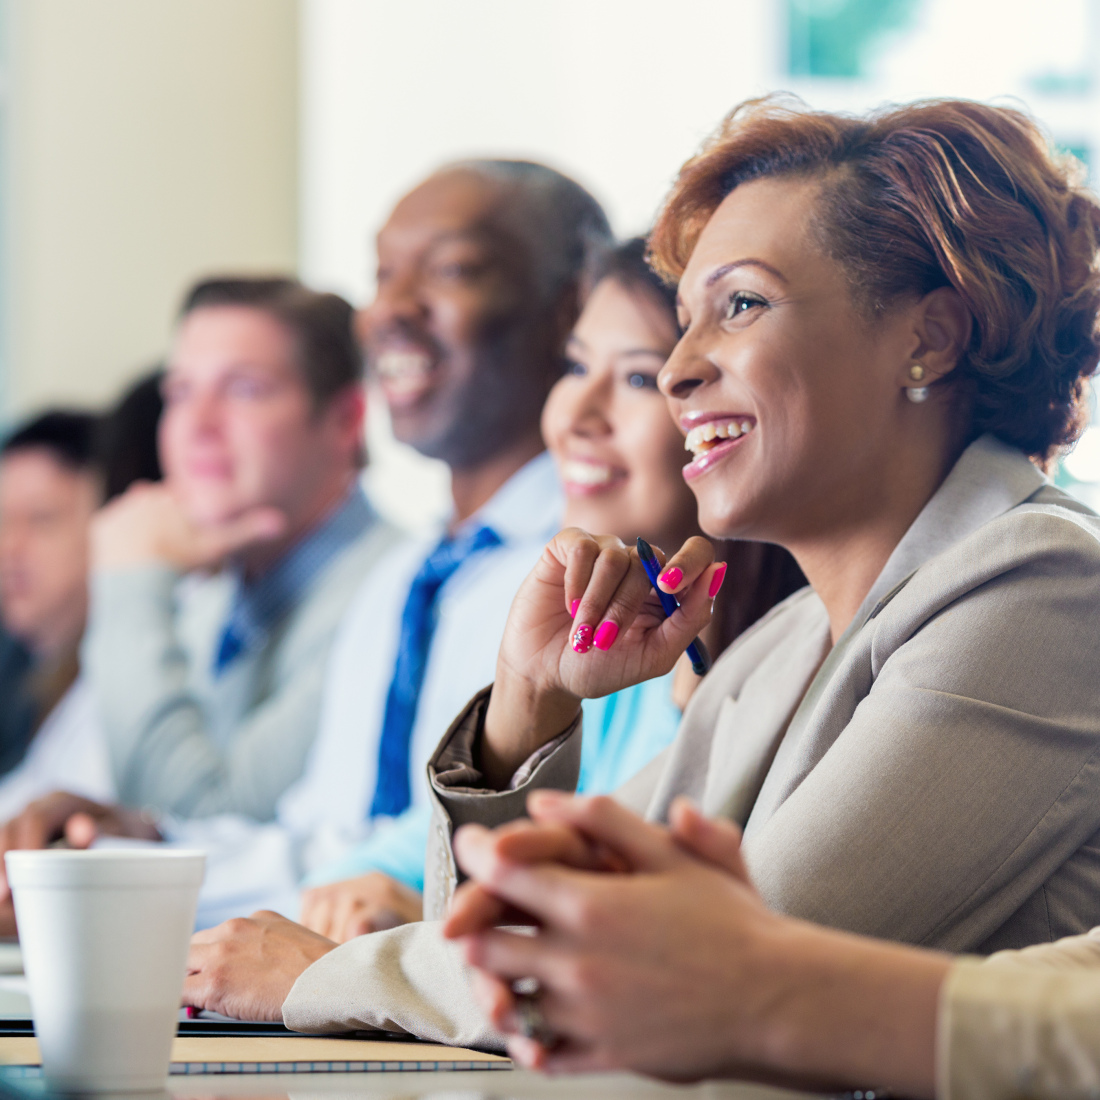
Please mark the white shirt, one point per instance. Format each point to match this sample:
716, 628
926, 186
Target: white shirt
251, 865
68, 753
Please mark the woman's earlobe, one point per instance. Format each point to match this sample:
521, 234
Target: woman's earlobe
917, 393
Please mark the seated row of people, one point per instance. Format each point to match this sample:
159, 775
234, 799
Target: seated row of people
882, 331
231, 725
887, 327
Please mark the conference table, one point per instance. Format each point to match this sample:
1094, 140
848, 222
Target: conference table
302, 1067
517, 1084
395, 1077
243, 1067
511, 1084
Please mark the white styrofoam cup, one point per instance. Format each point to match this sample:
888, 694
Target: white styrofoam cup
104, 935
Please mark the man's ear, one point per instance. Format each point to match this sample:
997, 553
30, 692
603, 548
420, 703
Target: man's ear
566, 311
346, 411
942, 326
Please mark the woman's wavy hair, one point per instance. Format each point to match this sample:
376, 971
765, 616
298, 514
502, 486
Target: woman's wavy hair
930, 194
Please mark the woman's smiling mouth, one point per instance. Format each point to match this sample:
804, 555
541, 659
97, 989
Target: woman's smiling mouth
711, 441
585, 476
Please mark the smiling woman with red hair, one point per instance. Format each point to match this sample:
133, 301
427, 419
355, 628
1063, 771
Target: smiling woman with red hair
887, 323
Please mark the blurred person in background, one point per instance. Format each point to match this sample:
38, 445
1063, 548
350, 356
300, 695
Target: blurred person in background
216, 594
479, 272
126, 440
619, 456
49, 491
45, 508
17, 710
478, 285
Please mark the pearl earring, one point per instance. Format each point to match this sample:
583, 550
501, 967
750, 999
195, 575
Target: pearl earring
916, 394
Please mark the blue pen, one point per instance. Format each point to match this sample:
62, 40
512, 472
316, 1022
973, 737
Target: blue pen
697, 652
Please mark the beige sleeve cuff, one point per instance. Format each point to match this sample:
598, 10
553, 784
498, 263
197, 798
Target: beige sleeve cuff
460, 787
405, 979
1022, 1024
459, 795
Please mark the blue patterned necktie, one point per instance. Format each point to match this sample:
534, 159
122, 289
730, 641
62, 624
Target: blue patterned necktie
391, 792
230, 648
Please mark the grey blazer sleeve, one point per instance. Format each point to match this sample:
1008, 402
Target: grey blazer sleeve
459, 796
410, 978
162, 751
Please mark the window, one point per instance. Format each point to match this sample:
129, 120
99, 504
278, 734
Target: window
838, 38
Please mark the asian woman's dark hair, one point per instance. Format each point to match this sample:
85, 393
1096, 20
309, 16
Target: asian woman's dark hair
126, 444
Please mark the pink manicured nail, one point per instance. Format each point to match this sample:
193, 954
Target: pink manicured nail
582, 638
716, 580
671, 578
606, 635
573, 608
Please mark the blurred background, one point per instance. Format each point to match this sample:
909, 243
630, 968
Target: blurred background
144, 143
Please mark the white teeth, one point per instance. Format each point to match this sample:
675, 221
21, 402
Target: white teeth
393, 363
403, 373
699, 439
586, 473
402, 364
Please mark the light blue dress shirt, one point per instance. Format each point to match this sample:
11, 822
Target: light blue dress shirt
622, 733
258, 606
327, 811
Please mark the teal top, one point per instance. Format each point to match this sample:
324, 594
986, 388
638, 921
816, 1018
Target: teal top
622, 733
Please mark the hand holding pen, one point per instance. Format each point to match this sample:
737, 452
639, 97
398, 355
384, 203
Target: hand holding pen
697, 651
586, 623
681, 574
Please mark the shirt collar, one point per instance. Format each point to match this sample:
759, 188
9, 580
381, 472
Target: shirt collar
528, 505
257, 605
989, 479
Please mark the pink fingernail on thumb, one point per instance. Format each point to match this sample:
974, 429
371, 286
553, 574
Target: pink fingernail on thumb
606, 635
671, 578
716, 580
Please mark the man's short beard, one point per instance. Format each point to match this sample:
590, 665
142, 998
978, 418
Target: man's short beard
500, 406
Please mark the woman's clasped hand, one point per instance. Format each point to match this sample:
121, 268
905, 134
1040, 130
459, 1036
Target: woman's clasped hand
651, 950
602, 944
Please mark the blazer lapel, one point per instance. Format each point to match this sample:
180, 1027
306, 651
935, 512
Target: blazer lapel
750, 727
989, 479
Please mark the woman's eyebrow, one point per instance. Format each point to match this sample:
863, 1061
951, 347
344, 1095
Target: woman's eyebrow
725, 269
643, 351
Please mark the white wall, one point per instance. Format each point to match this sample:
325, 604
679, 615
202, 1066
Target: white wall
614, 92
150, 141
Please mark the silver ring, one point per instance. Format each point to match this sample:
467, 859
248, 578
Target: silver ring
530, 1021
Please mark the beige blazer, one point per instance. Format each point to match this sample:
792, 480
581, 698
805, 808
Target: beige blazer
1022, 1023
934, 778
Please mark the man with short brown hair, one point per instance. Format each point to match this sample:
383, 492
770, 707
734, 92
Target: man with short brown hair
209, 686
